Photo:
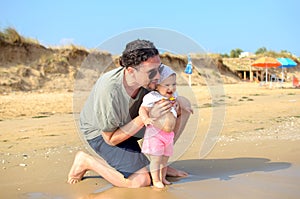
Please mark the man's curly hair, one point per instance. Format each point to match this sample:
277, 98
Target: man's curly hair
137, 52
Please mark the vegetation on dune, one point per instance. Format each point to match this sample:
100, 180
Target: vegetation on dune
27, 65
262, 51
10, 35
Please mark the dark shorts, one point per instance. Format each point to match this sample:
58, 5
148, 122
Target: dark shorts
125, 157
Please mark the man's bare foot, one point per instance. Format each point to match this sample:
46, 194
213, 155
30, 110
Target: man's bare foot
176, 173
166, 182
78, 168
158, 184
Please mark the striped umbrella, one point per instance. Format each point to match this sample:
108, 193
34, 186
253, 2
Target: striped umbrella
266, 62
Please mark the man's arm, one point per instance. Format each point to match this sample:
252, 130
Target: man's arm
144, 114
185, 110
160, 108
124, 132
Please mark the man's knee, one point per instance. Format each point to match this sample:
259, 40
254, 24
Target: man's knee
142, 180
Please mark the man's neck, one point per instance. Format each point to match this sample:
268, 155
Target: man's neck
130, 85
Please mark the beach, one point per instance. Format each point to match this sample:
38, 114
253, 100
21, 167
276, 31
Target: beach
254, 152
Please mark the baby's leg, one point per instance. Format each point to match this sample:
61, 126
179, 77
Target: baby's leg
156, 171
164, 170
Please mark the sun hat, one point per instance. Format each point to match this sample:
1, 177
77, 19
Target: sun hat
166, 72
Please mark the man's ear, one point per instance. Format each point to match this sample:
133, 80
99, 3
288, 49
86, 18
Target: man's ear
130, 70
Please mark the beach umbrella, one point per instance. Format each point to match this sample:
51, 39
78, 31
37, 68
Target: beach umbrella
286, 63
188, 70
266, 62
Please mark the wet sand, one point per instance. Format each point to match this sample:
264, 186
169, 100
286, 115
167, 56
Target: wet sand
256, 155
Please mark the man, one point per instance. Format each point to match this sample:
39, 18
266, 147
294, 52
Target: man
110, 122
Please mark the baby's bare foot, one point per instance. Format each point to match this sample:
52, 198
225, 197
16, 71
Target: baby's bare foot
158, 184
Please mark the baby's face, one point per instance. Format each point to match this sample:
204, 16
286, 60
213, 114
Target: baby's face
167, 87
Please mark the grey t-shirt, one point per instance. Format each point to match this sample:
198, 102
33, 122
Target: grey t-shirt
109, 106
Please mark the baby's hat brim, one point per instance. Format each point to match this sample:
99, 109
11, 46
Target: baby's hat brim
166, 72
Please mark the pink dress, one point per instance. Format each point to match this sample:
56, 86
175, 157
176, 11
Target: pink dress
156, 141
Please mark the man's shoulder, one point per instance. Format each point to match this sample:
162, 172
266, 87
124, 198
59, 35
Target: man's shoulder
111, 79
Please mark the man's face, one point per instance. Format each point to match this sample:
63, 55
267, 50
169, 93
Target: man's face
148, 73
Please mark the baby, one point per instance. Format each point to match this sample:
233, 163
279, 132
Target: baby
159, 134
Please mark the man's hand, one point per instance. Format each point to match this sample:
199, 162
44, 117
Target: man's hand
148, 121
160, 108
184, 104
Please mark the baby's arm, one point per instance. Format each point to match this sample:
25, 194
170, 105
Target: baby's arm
144, 114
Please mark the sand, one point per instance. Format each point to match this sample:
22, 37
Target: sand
255, 155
